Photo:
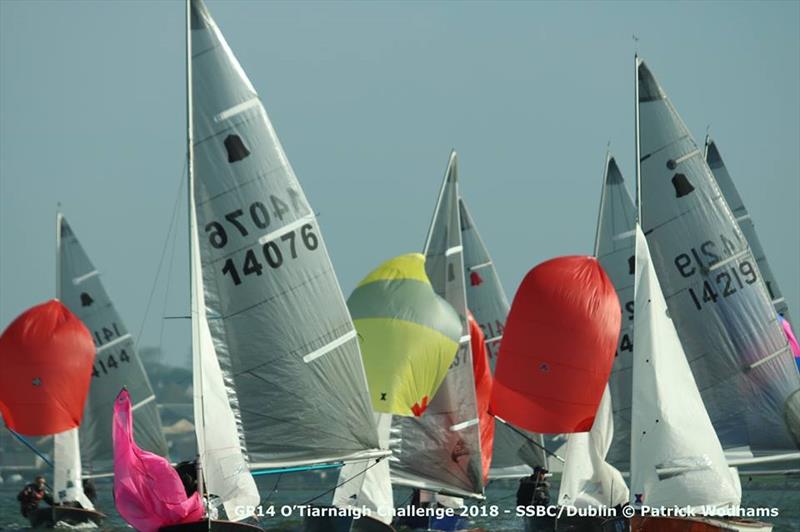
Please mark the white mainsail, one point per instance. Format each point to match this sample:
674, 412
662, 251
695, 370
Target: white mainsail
734, 200
440, 451
588, 480
280, 381
515, 452
676, 457
713, 287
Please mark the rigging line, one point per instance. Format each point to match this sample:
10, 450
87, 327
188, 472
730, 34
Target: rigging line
530, 440
309, 501
169, 275
29, 445
173, 221
274, 488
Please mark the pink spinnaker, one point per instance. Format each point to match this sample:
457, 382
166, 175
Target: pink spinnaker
787, 330
148, 492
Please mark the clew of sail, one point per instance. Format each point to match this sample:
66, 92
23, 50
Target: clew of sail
714, 289
676, 458
440, 451
614, 248
734, 200
276, 319
116, 364
514, 454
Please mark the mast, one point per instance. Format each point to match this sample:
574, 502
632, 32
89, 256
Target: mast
59, 216
602, 202
193, 310
636, 140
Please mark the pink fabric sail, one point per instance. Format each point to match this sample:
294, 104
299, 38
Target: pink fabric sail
147, 491
787, 330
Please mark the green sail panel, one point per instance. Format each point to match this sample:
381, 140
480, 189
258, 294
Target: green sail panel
728, 188
281, 331
715, 292
515, 452
116, 365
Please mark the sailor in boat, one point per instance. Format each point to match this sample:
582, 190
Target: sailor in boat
535, 489
32, 494
89, 490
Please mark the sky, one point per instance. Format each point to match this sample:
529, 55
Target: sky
368, 98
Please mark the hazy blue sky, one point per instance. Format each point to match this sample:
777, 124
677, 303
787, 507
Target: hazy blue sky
368, 99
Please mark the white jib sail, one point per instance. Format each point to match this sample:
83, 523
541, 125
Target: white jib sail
588, 480
368, 484
676, 457
67, 484
225, 470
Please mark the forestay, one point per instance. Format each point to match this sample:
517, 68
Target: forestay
515, 451
614, 248
734, 200
440, 451
712, 284
676, 458
276, 317
116, 364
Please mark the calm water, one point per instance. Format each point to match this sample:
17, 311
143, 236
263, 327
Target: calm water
777, 491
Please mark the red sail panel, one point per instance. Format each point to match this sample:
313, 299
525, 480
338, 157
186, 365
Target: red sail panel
483, 393
46, 356
558, 347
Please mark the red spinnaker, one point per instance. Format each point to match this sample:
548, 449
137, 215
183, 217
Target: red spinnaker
558, 347
483, 393
46, 356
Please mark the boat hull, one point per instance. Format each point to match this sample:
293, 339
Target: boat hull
205, 525
696, 524
48, 517
344, 524
592, 524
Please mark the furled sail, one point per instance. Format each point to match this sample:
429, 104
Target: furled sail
734, 200
408, 335
276, 319
614, 248
714, 289
588, 480
676, 458
558, 347
116, 363
440, 451
515, 452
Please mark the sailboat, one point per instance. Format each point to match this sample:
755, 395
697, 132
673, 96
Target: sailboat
278, 377
439, 453
713, 286
677, 460
746, 224
86, 452
516, 452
